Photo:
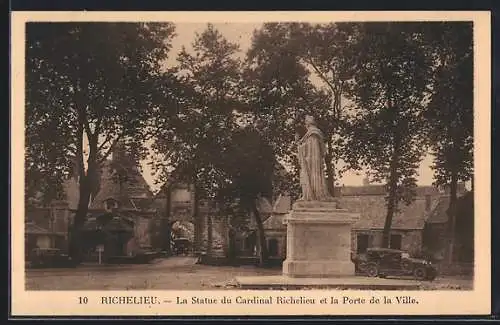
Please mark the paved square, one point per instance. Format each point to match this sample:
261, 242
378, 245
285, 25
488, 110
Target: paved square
175, 273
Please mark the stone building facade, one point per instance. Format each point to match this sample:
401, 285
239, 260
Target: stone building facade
408, 224
211, 233
47, 226
118, 203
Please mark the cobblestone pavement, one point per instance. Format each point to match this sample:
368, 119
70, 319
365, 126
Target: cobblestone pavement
175, 273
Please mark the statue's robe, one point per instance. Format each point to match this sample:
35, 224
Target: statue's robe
311, 153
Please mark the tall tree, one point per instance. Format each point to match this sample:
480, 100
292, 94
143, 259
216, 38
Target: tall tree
450, 112
89, 85
390, 90
211, 77
250, 164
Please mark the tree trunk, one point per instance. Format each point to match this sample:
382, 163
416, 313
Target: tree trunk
330, 169
167, 240
229, 242
263, 256
209, 234
85, 186
75, 244
451, 215
391, 208
196, 220
392, 199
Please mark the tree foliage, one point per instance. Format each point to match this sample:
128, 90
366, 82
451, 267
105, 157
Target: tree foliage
89, 85
389, 90
449, 115
450, 111
192, 145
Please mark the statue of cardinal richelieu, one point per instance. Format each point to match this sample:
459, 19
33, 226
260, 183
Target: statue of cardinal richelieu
311, 155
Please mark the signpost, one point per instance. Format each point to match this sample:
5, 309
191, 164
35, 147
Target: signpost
100, 250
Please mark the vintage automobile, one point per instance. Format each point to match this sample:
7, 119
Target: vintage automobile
182, 246
49, 257
384, 262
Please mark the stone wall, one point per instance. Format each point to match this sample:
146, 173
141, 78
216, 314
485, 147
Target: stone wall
142, 231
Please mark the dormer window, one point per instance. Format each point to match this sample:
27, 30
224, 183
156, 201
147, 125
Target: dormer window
110, 205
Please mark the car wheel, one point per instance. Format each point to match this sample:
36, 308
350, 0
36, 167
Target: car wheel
420, 273
372, 271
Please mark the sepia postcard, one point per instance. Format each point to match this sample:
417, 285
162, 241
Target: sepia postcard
250, 163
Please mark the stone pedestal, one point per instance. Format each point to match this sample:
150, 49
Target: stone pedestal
318, 240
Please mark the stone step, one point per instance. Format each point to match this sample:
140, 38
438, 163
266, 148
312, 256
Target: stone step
277, 282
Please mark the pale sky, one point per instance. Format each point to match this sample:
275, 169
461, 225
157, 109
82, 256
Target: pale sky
241, 33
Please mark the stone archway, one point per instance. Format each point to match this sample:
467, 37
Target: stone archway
182, 237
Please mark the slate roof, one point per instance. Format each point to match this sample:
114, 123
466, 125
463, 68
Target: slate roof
372, 210
275, 222
133, 193
439, 213
376, 189
282, 204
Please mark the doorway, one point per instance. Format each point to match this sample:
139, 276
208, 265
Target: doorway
272, 246
363, 242
395, 242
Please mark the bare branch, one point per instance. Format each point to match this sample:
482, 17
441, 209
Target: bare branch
322, 76
110, 149
103, 144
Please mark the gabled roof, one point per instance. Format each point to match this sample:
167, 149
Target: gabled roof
264, 206
439, 213
282, 205
133, 193
275, 222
